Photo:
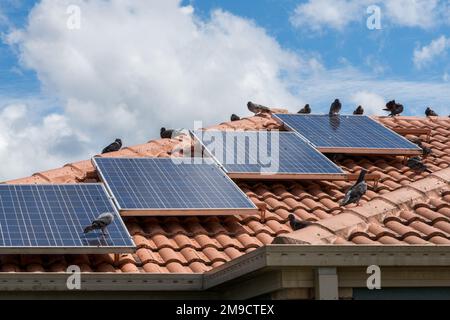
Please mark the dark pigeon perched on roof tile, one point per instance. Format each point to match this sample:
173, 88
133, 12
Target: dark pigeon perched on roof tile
297, 224
257, 108
115, 146
416, 164
355, 193
234, 117
394, 108
430, 113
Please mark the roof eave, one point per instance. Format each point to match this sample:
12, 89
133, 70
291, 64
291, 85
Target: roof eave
269, 256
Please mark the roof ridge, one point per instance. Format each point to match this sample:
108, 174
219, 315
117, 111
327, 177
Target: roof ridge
358, 218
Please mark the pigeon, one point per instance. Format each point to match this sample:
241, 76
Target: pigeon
235, 117
355, 193
115, 146
169, 133
416, 164
426, 151
297, 224
390, 105
359, 111
306, 109
335, 107
430, 113
394, 108
257, 108
102, 221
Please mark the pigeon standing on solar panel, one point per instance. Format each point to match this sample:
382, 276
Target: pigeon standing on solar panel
430, 113
335, 107
257, 108
416, 164
115, 146
359, 111
297, 224
306, 109
355, 193
235, 117
102, 221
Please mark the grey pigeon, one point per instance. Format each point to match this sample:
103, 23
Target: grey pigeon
257, 108
102, 221
355, 193
359, 111
306, 109
335, 107
169, 133
430, 113
390, 105
416, 164
394, 107
297, 224
235, 117
115, 146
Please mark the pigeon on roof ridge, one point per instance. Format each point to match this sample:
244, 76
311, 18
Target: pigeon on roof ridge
305, 110
115, 146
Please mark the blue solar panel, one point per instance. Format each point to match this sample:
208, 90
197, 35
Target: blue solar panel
345, 131
51, 218
168, 184
265, 152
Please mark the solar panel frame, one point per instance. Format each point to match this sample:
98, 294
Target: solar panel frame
412, 150
127, 244
174, 211
279, 175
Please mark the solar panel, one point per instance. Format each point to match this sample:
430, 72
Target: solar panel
51, 219
170, 186
347, 134
259, 154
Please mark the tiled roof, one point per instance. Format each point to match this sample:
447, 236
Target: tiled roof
405, 208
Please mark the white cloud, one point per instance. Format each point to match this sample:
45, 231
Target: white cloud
317, 15
428, 53
371, 102
27, 143
414, 13
345, 83
137, 65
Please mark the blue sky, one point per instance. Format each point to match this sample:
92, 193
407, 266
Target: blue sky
137, 65
390, 48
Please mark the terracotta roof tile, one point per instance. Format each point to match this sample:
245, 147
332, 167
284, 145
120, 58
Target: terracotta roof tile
405, 208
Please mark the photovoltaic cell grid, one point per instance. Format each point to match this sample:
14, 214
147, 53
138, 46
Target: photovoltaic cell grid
49, 218
164, 183
265, 152
345, 131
